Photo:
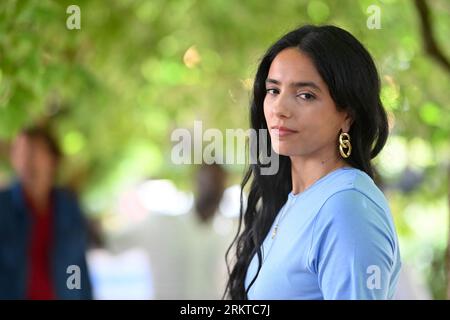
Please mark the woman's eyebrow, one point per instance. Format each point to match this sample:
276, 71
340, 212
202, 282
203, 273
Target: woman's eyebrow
299, 84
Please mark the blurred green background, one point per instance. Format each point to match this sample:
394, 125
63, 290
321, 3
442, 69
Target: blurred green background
115, 90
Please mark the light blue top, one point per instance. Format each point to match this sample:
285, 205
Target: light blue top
335, 240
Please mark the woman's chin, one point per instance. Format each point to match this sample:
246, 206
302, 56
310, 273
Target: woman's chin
285, 150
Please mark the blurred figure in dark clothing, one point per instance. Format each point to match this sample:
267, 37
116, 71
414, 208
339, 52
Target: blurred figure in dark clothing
210, 186
42, 229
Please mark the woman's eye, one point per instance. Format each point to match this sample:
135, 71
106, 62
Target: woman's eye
306, 96
271, 91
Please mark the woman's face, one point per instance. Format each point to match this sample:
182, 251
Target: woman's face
301, 115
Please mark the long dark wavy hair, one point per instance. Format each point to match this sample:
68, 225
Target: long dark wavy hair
354, 85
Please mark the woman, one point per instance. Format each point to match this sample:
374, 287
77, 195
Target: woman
319, 228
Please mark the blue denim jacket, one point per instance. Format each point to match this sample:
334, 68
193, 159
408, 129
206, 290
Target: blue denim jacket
69, 245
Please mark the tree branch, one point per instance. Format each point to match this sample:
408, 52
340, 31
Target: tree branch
431, 46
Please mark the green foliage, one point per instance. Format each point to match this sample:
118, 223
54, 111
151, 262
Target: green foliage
114, 90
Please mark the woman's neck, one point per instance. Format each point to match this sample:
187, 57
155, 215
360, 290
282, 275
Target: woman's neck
306, 171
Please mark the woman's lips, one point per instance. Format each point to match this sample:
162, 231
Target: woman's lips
282, 131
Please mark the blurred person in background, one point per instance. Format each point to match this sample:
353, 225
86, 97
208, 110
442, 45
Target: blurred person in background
207, 236
42, 229
187, 251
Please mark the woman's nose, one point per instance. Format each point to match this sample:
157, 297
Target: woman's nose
280, 107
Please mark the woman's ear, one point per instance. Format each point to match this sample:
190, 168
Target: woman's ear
348, 120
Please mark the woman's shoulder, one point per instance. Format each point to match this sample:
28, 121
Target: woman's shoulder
355, 185
354, 199
356, 215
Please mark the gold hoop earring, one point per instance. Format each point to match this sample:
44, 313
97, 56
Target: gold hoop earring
344, 143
